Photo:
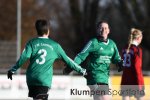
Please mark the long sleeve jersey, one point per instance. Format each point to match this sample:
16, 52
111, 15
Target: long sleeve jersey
101, 54
132, 72
42, 52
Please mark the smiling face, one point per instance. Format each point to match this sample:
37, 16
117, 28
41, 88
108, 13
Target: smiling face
103, 30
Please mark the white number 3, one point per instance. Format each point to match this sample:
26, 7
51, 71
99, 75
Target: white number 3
43, 54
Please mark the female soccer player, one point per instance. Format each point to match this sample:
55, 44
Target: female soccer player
101, 51
132, 71
42, 52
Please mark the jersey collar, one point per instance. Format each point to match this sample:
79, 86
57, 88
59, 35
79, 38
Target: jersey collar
43, 37
106, 43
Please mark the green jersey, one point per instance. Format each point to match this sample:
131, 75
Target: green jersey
42, 53
100, 55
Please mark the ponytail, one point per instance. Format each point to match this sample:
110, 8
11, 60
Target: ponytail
129, 42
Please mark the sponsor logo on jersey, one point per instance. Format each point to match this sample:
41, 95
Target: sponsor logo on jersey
43, 44
101, 48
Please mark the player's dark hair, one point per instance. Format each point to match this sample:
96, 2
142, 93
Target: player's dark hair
98, 25
42, 26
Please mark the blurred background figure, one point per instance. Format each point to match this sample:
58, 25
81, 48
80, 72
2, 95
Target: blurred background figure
132, 77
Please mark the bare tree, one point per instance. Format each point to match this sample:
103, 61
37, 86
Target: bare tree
73, 21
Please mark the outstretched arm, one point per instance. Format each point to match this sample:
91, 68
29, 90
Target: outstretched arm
80, 57
23, 58
69, 62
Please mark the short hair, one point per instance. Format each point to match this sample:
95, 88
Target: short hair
99, 23
42, 26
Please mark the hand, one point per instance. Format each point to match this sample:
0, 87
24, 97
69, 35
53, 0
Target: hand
120, 69
120, 66
88, 75
84, 72
9, 74
67, 70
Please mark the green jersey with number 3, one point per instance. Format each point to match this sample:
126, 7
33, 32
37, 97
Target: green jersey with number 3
42, 53
100, 55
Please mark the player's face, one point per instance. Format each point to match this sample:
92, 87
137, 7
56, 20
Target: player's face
139, 39
104, 30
